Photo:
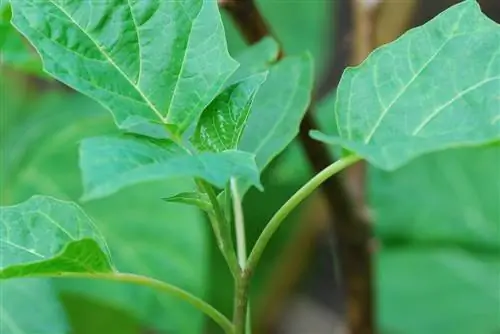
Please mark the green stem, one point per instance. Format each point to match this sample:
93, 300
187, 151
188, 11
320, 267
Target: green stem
201, 305
221, 230
291, 204
240, 315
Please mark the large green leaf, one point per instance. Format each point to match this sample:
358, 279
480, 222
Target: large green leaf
145, 235
222, 123
278, 109
438, 222
46, 236
446, 291
31, 306
436, 87
455, 198
111, 163
154, 60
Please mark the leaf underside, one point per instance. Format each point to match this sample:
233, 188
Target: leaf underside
436, 87
111, 163
45, 237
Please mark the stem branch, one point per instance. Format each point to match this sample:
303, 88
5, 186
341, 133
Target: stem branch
242, 284
291, 204
241, 308
172, 290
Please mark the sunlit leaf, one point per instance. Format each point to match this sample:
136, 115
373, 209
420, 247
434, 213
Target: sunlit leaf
155, 60
222, 123
436, 87
45, 236
111, 163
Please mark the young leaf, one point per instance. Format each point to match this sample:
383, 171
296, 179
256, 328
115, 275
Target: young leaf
278, 110
111, 163
150, 59
31, 306
222, 123
436, 87
192, 198
45, 236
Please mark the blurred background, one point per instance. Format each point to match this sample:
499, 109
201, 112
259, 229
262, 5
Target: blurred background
428, 235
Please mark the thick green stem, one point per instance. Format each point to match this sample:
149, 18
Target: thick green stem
291, 204
243, 282
240, 316
196, 302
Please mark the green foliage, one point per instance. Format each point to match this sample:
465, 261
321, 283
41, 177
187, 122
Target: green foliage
161, 240
456, 293
434, 88
168, 79
163, 70
45, 236
111, 163
457, 188
222, 123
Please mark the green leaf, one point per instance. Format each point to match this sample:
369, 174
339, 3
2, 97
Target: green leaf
438, 220
222, 123
448, 291
278, 110
192, 198
45, 236
436, 87
31, 306
256, 58
160, 61
111, 163
454, 199
161, 240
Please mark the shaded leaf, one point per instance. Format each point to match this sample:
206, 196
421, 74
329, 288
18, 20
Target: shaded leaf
455, 196
111, 163
278, 110
167, 59
45, 236
436, 87
222, 122
145, 236
192, 198
445, 290
31, 306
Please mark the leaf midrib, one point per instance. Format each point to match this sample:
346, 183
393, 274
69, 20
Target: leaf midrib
111, 61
